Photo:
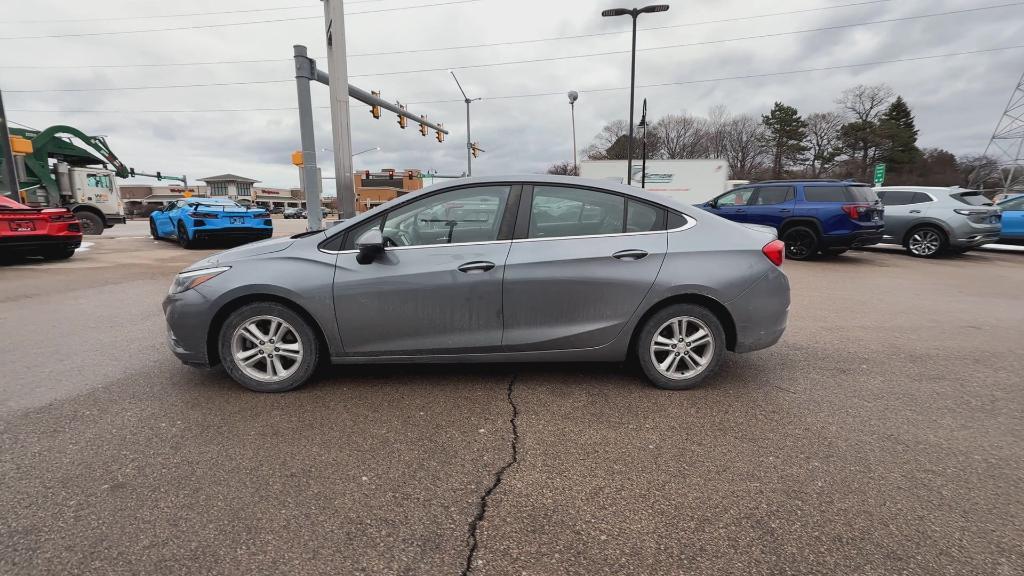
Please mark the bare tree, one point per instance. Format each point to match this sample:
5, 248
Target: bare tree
744, 146
717, 125
866, 103
681, 136
566, 168
606, 140
823, 142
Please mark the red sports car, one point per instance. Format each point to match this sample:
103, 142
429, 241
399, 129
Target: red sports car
49, 232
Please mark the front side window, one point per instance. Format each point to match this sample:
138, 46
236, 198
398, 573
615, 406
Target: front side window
563, 211
1013, 205
773, 195
352, 235
463, 215
738, 197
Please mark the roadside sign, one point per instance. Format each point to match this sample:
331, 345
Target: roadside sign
879, 174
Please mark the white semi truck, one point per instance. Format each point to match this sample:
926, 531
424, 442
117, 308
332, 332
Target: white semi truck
690, 181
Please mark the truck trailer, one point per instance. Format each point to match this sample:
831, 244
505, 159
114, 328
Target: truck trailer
691, 181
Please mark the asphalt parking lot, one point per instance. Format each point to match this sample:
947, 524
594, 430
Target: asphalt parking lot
882, 435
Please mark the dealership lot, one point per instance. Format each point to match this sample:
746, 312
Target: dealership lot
881, 435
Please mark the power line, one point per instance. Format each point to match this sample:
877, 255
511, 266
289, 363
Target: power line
445, 48
205, 26
158, 87
701, 43
562, 92
556, 58
180, 15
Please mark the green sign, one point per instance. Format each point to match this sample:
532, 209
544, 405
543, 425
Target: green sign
879, 174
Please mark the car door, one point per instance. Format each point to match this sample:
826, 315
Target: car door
1013, 219
164, 225
902, 209
770, 205
581, 262
436, 289
732, 205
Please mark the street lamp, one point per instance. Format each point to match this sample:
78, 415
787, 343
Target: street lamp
634, 12
573, 96
643, 147
469, 144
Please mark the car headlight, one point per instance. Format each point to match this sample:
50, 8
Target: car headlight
189, 280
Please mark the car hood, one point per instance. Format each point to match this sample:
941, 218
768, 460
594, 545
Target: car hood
242, 252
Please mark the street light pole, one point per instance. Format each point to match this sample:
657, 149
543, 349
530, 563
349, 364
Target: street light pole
573, 96
643, 147
634, 13
469, 142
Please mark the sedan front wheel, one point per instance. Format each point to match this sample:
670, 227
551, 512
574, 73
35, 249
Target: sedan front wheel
268, 347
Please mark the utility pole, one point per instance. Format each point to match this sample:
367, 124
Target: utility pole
341, 125
1006, 145
10, 172
469, 143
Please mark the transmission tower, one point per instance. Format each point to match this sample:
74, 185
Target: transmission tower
1006, 147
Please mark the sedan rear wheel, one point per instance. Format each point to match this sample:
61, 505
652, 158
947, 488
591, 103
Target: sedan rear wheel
680, 346
267, 347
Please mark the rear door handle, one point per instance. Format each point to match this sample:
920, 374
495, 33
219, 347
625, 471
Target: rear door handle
629, 254
785, 210
915, 211
480, 266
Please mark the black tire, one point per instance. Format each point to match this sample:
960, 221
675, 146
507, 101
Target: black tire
183, 239
926, 242
59, 253
92, 225
152, 230
656, 325
801, 243
304, 333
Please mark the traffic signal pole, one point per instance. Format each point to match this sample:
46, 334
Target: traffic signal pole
337, 64
305, 70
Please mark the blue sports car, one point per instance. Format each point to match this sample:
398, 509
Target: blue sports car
1013, 220
192, 219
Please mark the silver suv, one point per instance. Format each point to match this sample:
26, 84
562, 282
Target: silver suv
930, 220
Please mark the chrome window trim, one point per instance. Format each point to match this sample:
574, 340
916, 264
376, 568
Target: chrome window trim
690, 223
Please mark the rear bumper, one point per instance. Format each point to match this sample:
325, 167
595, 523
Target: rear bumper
974, 240
853, 240
761, 312
255, 233
38, 243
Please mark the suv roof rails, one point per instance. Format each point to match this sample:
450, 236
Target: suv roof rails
787, 181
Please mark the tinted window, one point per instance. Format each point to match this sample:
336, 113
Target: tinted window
675, 221
973, 198
921, 198
825, 193
642, 217
862, 194
740, 197
1013, 205
463, 215
897, 197
564, 211
773, 195
352, 235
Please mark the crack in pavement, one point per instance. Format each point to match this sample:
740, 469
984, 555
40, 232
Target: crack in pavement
498, 477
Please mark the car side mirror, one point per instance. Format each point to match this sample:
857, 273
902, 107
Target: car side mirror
710, 204
370, 246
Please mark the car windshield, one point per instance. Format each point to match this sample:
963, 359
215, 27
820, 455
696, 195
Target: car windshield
972, 197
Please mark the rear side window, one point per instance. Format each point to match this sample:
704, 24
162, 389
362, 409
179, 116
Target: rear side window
565, 211
642, 217
897, 197
772, 195
862, 194
1013, 205
921, 198
972, 198
825, 193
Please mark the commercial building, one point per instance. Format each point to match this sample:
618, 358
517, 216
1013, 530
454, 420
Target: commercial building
375, 188
238, 188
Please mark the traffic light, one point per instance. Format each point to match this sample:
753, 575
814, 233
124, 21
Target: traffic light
159, 176
374, 109
402, 120
131, 172
440, 135
423, 127
297, 158
475, 149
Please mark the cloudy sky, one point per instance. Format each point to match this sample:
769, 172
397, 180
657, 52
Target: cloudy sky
206, 130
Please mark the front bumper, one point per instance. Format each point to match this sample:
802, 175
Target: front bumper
188, 321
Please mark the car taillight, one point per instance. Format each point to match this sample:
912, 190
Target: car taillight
65, 217
855, 211
775, 251
206, 215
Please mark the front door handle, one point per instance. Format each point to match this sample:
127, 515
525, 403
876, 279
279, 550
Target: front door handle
479, 266
785, 210
915, 211
629, 254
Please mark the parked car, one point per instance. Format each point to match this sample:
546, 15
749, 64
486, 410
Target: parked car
1012, 223
190, 220
276, 210
294, 213
418, 279
52, 233
812, 216
928, 220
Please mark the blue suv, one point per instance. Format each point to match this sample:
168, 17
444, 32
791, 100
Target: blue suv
812, 216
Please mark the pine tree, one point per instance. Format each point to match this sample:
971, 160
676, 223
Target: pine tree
898, 135
786, 134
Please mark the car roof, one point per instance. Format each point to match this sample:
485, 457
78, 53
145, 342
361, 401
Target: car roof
210, 200
10, 202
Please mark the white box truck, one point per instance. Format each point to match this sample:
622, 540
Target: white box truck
690, 181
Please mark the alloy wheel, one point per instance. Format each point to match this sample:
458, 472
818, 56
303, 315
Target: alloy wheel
266, 348
682, 347
924, 242
799, 244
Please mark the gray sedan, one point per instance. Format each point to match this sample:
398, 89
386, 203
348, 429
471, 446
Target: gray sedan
532, 269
